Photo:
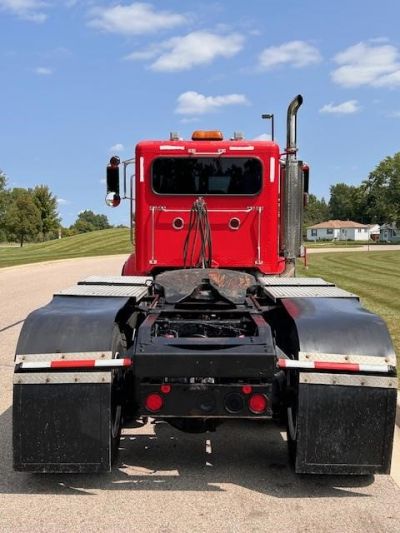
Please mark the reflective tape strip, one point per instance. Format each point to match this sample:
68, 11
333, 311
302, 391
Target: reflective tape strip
241, 148
58, 356
171, 147
379, 382
272, 169
141, 169
331, 365
348, 358
59, 378
78, 363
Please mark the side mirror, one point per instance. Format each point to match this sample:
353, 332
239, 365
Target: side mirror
113, 198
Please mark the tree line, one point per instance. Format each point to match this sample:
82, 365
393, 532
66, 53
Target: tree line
375, 201
31, 215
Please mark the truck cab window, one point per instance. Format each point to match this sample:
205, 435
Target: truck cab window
207, 176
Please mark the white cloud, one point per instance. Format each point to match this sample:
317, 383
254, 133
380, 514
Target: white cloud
61, 201
142, 55
193, 103
134, 19
43, 71
117, 147
189, 120
196, 48
345, 108
379, 40
368, 64
31, 10
294, 53
263, 137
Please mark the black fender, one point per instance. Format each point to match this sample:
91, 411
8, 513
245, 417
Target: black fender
337, 326
70, 324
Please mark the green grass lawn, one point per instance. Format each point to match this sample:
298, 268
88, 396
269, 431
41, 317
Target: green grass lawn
106, 242
374, 276
339, 244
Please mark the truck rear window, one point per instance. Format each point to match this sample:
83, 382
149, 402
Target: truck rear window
206, 175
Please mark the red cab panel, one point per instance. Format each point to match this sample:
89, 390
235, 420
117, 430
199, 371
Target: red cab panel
239, 184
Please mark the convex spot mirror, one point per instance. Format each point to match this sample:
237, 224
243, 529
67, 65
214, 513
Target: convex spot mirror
113, 199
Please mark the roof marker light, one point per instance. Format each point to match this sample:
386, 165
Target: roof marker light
207, 135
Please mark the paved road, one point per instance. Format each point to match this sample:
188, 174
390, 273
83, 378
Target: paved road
234, 480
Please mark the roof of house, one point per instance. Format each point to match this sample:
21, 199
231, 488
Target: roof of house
389, 226
374, 228
337, 224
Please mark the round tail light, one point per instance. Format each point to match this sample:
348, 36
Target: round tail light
233, 402
153, 402
258, 404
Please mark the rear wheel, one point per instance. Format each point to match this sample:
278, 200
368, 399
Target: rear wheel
292, 410
119, 346
115, 426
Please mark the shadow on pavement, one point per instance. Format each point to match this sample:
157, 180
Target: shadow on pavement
158, 457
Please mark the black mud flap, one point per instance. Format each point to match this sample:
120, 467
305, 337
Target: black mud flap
62, 421
347, 427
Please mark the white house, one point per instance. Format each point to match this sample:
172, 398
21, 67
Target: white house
390, 233
340, 230
374, 231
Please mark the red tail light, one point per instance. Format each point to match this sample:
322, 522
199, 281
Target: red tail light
166, 389
258, 404
247, 389
154, 402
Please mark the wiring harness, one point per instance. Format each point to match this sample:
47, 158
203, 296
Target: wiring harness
197, 249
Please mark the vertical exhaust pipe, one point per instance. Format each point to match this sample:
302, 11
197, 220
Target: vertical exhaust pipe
293, 188
291, 123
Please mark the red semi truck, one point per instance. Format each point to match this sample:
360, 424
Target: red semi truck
207, 322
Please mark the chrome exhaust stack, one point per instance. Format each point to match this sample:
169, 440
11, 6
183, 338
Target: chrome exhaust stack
293, 189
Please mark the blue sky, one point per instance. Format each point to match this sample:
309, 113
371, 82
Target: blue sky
81, 80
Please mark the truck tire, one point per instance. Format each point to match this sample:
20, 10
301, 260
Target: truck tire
119, 346
115, 428
291, 425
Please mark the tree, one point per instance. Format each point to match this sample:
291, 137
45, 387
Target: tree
46, 202
3, 203
316, 211
89, 221
344, 203
381, 191
22, 219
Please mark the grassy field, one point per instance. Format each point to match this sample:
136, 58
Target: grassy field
374, 276
106, 242
334, 244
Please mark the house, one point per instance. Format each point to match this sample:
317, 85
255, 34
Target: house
374, 231
338, 230
390, 233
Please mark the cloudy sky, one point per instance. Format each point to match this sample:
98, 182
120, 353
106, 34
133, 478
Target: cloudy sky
83, 79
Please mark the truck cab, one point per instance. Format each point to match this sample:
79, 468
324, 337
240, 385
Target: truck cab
235, 186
